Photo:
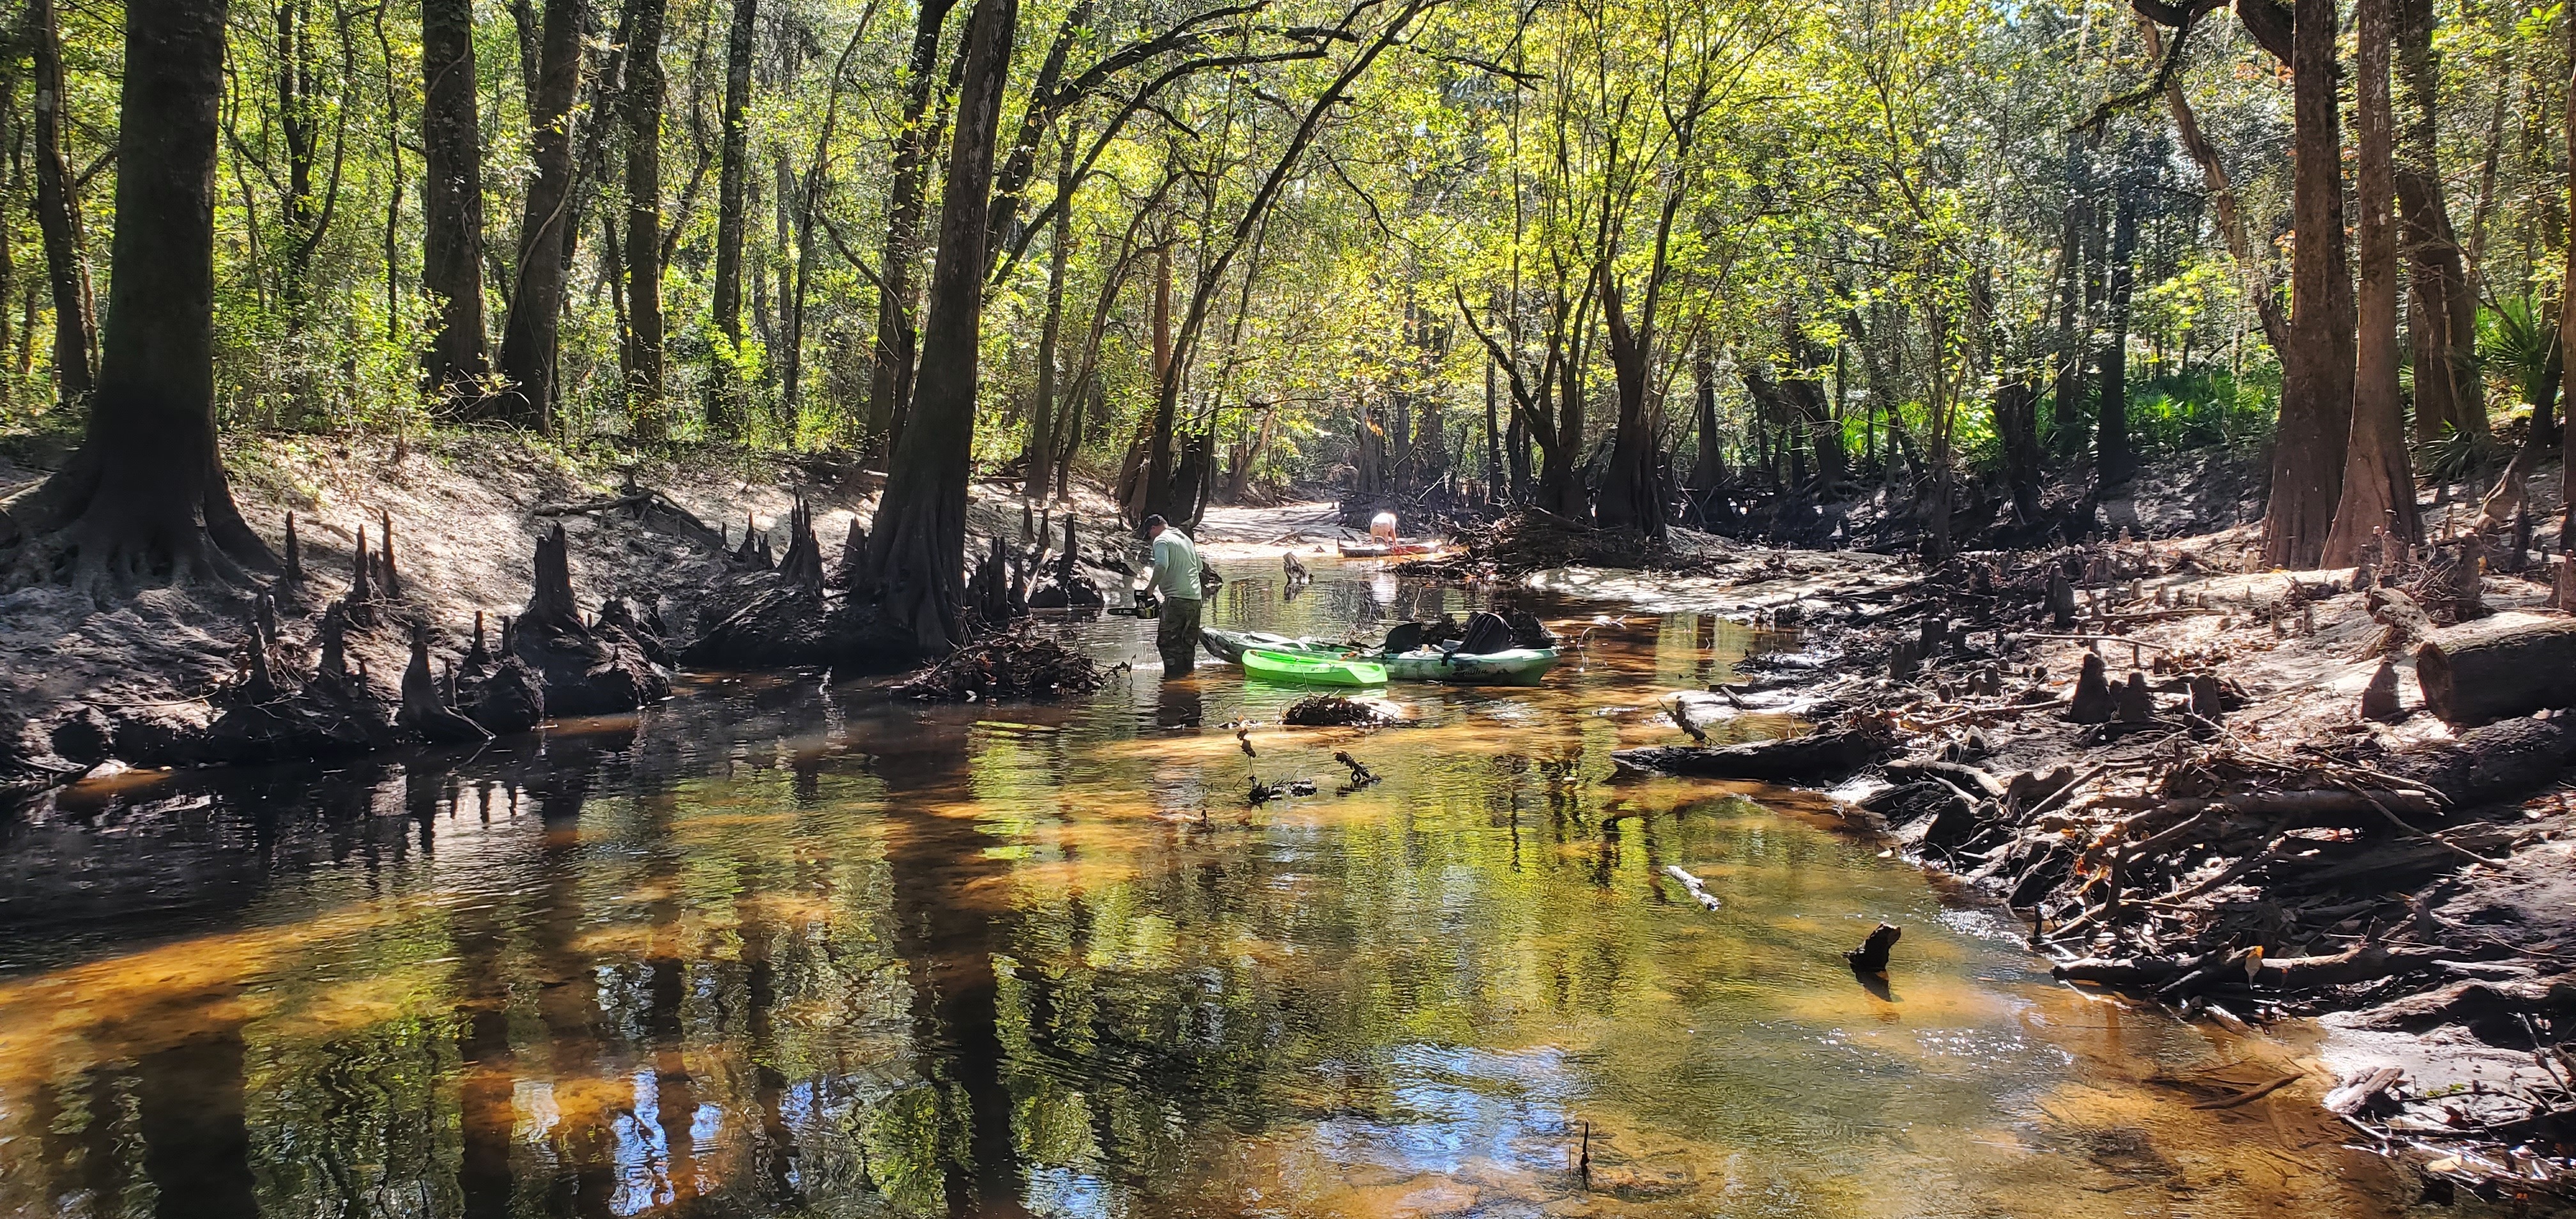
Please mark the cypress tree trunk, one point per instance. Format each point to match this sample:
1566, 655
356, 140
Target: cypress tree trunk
1155, 474
725, 412
451, 264
1710, 469
916, 556
1629, 494
66, 272
144, 500
2113, 461
890, 382
528, 333
643, 245
2317, 369
2443, 320
2017, 426
2070, 285
2378, 487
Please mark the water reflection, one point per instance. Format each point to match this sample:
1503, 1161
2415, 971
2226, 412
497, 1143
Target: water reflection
770, 951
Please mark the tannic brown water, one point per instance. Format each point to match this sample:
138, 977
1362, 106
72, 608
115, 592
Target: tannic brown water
778, 949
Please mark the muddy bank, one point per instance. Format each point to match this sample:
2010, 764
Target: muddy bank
656, 555
2219, 792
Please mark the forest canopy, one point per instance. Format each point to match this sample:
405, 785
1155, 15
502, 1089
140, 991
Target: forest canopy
1621, 260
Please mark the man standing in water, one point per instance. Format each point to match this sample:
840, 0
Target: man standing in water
1173, 577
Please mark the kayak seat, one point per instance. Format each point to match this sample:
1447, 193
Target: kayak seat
1485, 633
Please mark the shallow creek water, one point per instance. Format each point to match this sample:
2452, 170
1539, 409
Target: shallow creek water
773, 949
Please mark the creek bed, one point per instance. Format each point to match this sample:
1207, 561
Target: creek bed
772, 949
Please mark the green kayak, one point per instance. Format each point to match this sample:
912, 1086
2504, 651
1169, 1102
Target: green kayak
1512, 667
1308, 669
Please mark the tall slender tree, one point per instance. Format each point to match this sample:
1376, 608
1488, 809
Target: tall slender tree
2113, 460
144, 500
890, 377
58, 219
2442, 319
528, 334
1043, 410
451, 264
725, 412
642, 248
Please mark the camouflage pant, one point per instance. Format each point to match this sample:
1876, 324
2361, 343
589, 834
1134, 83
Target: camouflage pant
1176, 634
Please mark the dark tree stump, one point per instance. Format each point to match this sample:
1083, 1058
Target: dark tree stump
583, 672
2208, 698
422, 710
2133, 703
2092, 703
803, 564
509, 697
294, 572
2061, 601
2379, 699
478, 657
1871, 956
334, 714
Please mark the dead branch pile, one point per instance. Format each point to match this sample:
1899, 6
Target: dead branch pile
1021, 664
1533, 540
1337, 711
2219, 874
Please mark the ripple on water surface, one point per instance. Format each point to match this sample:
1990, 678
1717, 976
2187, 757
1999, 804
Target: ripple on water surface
774, 950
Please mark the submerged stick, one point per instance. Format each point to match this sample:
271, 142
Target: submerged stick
1698, 888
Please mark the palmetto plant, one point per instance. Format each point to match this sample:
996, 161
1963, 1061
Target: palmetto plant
2516, 339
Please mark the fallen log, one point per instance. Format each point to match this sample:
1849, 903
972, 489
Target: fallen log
1817, 757
2479, 674
2501, 761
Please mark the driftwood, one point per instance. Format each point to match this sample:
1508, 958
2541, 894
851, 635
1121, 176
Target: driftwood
1697, 887
1264, 793
1968, 779
1821, 757
2365, 962
2480, 674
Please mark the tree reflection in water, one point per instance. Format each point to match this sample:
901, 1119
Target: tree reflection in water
765, 952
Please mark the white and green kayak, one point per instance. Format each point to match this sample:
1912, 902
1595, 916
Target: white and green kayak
1511, 667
